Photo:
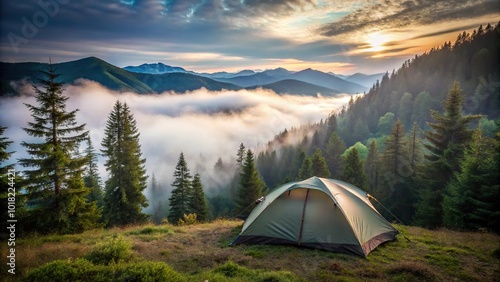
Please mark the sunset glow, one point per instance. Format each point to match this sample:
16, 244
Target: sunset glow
342, 37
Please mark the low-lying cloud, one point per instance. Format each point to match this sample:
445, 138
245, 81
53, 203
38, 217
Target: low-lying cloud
204, 125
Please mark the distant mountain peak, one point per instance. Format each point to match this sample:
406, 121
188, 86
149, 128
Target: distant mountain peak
154, 68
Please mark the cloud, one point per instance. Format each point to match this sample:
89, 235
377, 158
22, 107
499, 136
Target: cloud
203, 125
383, 15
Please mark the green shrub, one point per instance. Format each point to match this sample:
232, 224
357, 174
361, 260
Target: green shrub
189, 219
115, 249
231, 269
60, 270
83, 270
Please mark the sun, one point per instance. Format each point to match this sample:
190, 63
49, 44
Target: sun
377, 41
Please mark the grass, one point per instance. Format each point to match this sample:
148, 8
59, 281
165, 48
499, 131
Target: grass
200, 252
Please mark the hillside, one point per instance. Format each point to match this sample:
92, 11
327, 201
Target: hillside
296, 87
329, 81
310, 76
366, 80
399, 176
157, 68
200, 252
109, 76
422, 83
261, 78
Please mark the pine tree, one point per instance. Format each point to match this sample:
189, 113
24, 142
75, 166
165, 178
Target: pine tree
157, 194
395, 163
7, 181
123, 196
91, 177
4, 155
445, 143
318, 165
372, 166
472, 198
182, 192
396, 173
251, 185
334, 148
240, 155
55, 189
198, 202
354, 171
305, 170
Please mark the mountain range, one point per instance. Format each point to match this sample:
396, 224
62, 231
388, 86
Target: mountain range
158, 78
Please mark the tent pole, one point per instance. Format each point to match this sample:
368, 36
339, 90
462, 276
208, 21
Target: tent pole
303, 214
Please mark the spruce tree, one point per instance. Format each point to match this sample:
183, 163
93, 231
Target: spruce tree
157, 194
91, 177
372, 166
182, 192
394, 162
251, 185
4, 155
305, 170
472, 198
198, 202
396, 174
445, 144
354, 171
240, 155
123, 196
334, 148
318, 165
54, 186
7, 181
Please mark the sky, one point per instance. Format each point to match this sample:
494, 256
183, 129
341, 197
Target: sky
341, 36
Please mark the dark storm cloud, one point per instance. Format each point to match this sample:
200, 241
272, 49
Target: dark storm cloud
394, 14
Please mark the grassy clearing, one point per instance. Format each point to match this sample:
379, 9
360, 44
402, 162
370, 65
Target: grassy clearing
200, 252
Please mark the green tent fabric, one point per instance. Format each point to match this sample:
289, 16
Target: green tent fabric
318, 213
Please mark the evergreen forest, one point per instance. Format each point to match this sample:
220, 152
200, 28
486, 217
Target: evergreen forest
424, 141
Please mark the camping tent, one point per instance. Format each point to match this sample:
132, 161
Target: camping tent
318, 213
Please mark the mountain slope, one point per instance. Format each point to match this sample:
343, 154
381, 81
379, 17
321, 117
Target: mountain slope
261, 78
366, 80
109, 76
158, 68
328, 81
296, 87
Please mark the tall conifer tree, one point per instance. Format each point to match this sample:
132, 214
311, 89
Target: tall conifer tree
445, 143
91, 177
7, 181
182, 192
372, 166
251, 184
354, 171
318, 165
54, 186
198, 202
472, 198
334, 148
123, 197
396, 174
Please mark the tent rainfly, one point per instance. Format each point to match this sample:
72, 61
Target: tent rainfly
318, 213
